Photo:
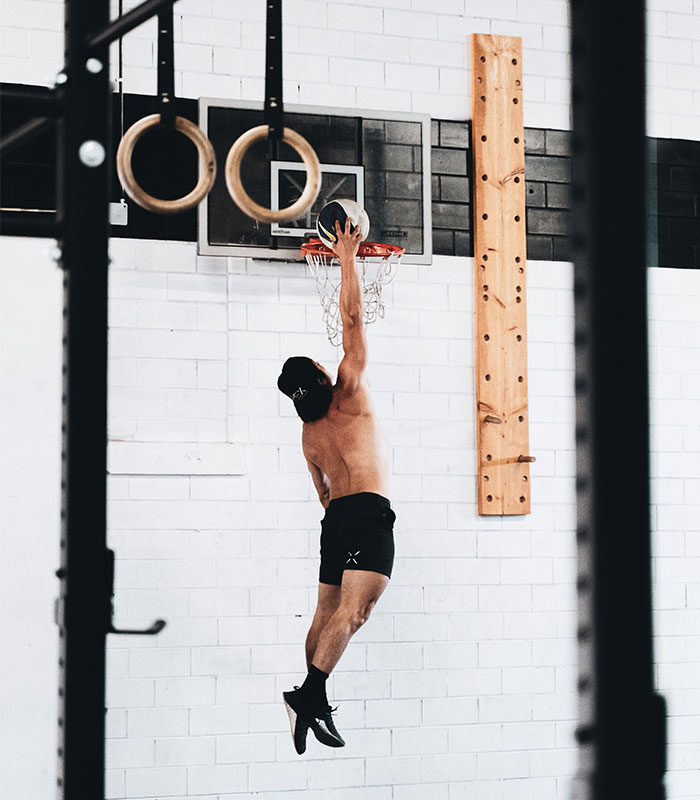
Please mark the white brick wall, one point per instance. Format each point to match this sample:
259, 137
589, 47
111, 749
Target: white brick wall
462, 683
469, 659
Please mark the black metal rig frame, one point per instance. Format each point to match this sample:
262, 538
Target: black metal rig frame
622, 730
622, 720
79, 107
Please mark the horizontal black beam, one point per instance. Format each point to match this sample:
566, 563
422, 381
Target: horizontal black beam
137, 16
42, 225
25, 133
44, 103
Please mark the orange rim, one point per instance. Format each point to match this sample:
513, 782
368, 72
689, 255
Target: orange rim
315, 247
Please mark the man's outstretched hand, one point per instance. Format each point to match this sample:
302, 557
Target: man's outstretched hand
348, 240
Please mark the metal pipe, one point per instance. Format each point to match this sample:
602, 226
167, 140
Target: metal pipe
132, 19
83, 159
25, 133
46, 103
39, 224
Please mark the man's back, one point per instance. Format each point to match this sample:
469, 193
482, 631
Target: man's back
348, 444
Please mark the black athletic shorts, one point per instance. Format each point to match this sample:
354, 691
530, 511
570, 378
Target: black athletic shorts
357, 532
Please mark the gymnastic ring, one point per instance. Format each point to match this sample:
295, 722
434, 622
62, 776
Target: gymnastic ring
234, 184
206, 167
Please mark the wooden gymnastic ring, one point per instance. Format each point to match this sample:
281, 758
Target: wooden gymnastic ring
206, 168
234, 184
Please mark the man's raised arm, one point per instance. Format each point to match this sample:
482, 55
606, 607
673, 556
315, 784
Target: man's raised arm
354, 362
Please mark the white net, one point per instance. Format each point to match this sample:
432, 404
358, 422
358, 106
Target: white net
376, 271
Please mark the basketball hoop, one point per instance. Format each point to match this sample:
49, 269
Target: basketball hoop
377, 265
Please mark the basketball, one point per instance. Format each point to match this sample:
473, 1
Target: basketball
340, 211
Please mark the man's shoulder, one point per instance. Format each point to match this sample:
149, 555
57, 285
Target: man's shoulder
355, 402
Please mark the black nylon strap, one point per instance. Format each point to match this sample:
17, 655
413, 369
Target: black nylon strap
166, 67
274, 107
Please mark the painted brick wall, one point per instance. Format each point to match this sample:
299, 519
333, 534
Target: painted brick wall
406, 55
462, 683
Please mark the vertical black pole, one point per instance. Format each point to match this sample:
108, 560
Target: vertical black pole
622, 721
274, 104
166, 68
83, 210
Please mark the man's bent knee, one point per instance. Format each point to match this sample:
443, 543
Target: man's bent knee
357, 617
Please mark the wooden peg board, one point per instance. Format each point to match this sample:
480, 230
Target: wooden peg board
499, 266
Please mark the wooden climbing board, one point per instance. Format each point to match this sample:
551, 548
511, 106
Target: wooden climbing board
499, 267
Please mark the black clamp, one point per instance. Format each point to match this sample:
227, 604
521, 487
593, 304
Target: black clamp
166, 67
274, 105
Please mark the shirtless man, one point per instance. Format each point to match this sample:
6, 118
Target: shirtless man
348, 458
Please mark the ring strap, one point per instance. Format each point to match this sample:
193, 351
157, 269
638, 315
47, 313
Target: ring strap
166, 67
274, 106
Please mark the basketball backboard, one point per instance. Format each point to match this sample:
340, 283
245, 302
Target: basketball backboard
382, 160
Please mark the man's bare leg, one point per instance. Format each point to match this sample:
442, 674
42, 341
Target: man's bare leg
360, 591
325, 644
328, 602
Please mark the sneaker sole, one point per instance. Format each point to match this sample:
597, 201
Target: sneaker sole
292, 714
324, 736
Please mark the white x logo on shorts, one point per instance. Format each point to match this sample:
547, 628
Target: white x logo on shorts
352, 557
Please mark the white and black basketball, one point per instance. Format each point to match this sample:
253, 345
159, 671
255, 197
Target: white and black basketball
340, 211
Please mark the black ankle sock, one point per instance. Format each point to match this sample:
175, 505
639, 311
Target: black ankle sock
314, 687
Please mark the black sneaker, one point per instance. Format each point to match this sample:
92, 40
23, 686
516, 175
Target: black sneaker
299, 719
324, 728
